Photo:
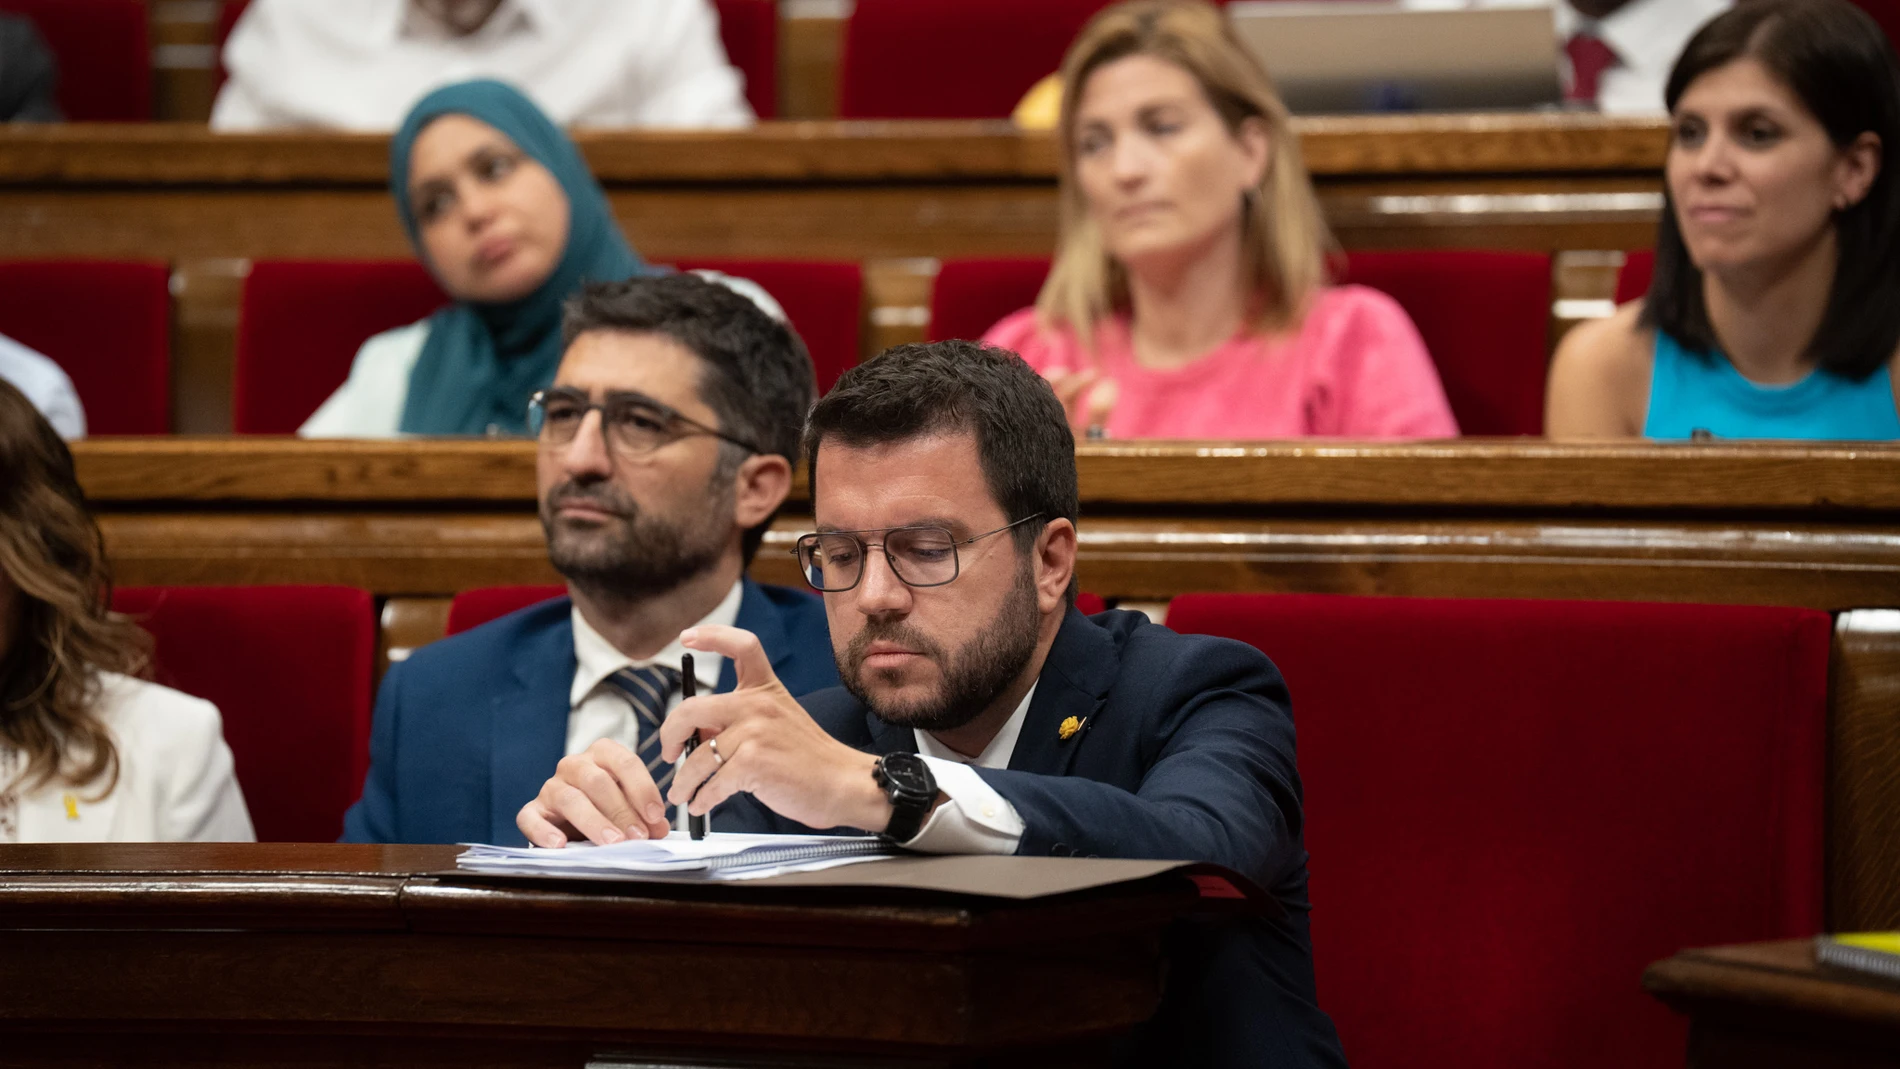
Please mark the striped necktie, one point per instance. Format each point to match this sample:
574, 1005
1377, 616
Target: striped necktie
647, 690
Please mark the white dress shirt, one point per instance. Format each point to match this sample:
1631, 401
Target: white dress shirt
46, 387
597, 711
361, 64
176, 778
1646, 35
975, 819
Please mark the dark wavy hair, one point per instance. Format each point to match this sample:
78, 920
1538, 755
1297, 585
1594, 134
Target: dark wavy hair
62, 632
1838, 62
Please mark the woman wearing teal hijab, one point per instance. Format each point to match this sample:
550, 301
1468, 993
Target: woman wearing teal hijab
499, 205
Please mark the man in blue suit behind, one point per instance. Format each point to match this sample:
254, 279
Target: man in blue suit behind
981, 713
666, 447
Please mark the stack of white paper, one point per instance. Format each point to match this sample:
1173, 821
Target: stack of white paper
716, 857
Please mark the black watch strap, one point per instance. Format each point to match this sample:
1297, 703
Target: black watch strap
907, 782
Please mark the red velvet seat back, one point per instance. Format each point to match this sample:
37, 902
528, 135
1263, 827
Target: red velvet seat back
1633, 278
1513, 807
300, 324
749, 31
952, 59
1887, 14
290, 669
107, 325
823, 299
104, 52
971, 295
1485, 318
473, 608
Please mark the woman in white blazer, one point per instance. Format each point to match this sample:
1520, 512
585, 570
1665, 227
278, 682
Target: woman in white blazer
88, 752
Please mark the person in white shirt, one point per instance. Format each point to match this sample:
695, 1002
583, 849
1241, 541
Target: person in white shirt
360, 64
88, 752
1616, 53
45, 385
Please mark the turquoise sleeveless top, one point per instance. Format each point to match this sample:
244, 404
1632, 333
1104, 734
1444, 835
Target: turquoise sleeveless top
1687, 394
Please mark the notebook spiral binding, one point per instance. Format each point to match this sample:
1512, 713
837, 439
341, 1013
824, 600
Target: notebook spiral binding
771, 856
1859, 959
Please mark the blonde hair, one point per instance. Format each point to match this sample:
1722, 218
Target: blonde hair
1286, 239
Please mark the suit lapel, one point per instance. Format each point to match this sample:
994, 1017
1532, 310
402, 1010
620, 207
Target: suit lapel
528, 729
1070, 696
757, 615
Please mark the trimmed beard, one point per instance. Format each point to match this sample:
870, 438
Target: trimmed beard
639, 554
972, 679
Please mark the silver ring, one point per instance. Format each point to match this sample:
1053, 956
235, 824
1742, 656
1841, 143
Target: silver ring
713, 745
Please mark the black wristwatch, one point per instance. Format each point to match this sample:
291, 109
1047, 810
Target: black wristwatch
907, 782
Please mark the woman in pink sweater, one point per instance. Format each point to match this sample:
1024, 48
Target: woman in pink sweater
1188, 298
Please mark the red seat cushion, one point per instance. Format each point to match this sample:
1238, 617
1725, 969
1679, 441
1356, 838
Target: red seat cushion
473, 608
749, 31
1513, 807
104, 52
300, 324
1887, 14
1633, 278
823, 299
108, 325
952, 59
1485, 318
290, 669
970, 296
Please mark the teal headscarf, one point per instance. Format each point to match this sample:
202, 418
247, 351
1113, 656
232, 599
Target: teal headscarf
481, 361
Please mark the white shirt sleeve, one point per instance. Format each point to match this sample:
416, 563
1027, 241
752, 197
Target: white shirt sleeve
369, 404
687, 80
180, 782
975, 820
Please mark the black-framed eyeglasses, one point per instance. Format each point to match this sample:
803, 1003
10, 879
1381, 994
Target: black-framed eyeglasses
925, 555
633, 423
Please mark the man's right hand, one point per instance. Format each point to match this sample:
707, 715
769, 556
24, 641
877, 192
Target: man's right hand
602, 793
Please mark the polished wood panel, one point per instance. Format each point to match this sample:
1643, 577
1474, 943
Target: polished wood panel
1864, 771
1770, 1005
329, 955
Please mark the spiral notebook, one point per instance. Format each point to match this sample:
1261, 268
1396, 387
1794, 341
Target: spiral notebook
1877, 953
716, 857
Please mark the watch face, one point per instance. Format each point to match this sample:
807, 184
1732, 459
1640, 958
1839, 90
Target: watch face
910, 776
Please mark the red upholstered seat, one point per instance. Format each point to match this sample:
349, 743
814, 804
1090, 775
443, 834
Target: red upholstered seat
1632, 280
1089, 604
823, 299
1513, 807
108, 325
1885, 12
749, 31
970, 296
104, 52
290, 669
952, 59
1485, 318
473, 608
300, 324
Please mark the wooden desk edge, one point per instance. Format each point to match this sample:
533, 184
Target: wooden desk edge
1782, 976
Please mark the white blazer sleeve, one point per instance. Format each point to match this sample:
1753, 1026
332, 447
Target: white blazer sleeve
177, 766
369, 404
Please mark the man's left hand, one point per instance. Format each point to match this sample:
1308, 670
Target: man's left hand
759, 740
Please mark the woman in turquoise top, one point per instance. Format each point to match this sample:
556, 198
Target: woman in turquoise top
1775, 307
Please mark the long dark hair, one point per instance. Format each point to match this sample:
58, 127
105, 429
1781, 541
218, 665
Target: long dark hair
1835, 58
63, 633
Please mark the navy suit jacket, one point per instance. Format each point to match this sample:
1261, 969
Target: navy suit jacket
1185, 750
469, 728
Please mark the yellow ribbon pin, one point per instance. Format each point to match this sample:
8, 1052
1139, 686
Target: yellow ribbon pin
1069, 728
72, 806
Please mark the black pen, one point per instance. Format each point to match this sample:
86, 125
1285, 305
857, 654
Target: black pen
695, 825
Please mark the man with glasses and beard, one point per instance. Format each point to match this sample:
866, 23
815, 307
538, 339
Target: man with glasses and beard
666, 445
982, 713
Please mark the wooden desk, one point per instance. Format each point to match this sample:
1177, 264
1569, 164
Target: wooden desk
323, 955
1769, 1005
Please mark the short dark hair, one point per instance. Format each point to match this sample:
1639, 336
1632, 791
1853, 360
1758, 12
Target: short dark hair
1838, 62
1022, 433
757, 377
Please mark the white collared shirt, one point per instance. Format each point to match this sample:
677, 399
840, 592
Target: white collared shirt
976, 819
597, 711
361, 64
1646, 35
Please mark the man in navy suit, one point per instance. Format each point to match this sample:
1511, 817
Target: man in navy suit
981, 713
666, 447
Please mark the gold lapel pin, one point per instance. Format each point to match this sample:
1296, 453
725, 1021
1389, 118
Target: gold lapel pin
72, 806
1070, 727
